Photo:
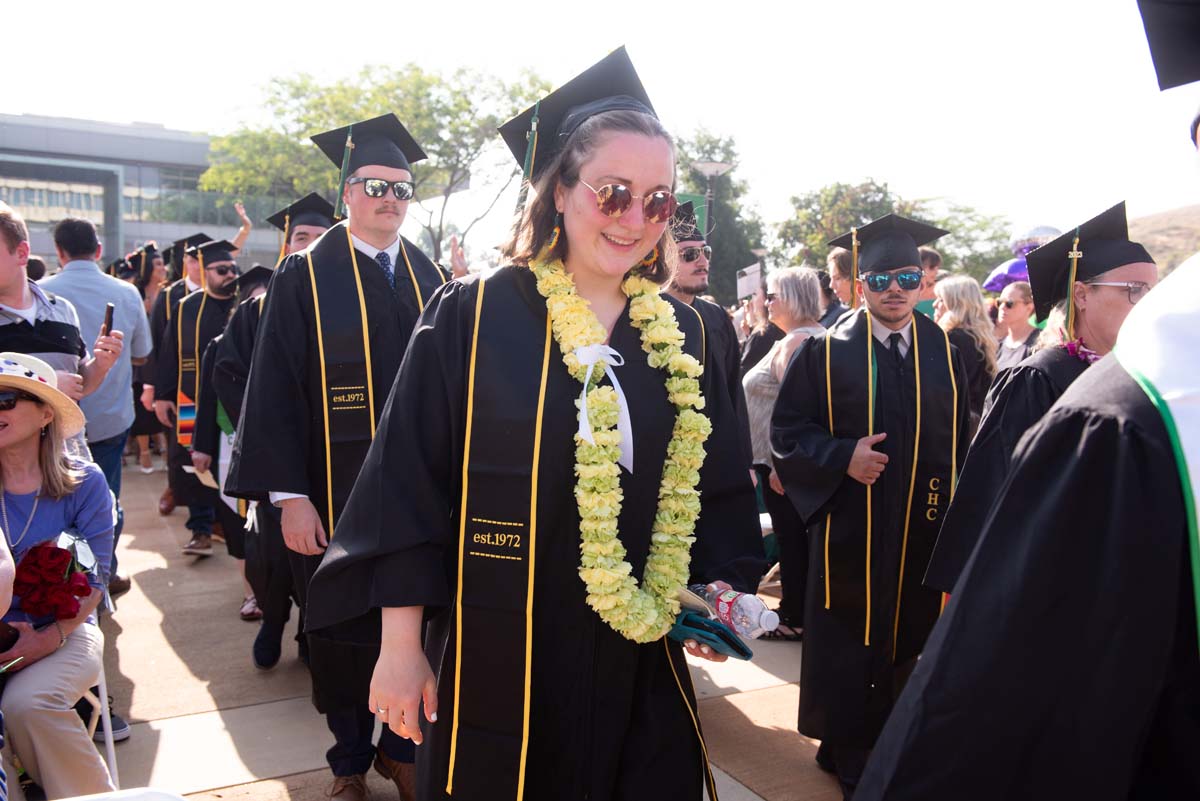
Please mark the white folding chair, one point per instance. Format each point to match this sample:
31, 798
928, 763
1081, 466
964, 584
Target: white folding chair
101, 714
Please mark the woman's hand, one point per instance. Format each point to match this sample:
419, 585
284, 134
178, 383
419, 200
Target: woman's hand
402, 680
776, 484
33, 645
703, 651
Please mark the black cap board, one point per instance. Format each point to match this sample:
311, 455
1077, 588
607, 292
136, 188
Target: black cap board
312, 209
684, 226
255, 276
189, 243
611, 84
889, 243
1173, 33
213, 251
382, 141
1103, 244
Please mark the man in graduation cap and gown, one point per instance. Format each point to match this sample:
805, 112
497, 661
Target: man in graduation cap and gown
268, 567
868, 434
333, 331
1066, 662
197, 319
689, 283
1103, 274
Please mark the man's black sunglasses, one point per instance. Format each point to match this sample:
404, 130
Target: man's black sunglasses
693, 253
9, 398
377, 187
224, 269
879, 282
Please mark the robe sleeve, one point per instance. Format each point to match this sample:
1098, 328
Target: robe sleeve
231, 368
1042, 676
273, 448
394, 542
811, 463
206, 436
728, 535
1015, 403
166, 366
732, 367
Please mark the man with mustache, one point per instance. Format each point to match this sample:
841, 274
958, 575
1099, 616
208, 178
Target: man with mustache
868, 435
334, 327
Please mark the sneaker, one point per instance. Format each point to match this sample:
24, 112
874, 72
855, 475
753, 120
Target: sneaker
268, 646
119, 585
120, 729
199, 545
250, 610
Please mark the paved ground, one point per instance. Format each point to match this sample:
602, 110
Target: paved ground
206, 723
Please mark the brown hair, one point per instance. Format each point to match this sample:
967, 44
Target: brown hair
12, 227
841, 260
929, 257
1023, 289
533, 228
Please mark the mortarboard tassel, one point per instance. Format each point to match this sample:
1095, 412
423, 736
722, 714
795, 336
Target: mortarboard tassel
340, 210
854, 268
530, 155
287, 224
1075, 255
203, 277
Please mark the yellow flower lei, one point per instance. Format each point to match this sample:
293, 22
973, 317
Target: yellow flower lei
640, 613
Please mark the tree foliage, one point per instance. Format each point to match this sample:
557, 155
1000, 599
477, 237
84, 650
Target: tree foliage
454, 117
976, 243
733, 229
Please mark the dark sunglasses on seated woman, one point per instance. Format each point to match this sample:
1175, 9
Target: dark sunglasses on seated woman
692, 254
9, 398
879, 282
377, 187
613, 200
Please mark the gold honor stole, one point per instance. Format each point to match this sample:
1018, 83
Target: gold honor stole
348, 395
187, 360
1157, 348
851, 397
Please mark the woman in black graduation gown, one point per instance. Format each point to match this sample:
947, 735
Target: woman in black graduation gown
535, 695
1065, 664
1020, 396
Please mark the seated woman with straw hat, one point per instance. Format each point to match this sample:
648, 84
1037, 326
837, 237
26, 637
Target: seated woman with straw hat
56, 656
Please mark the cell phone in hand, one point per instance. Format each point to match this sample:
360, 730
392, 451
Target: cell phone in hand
106, 329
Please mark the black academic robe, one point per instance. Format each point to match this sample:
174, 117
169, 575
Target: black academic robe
1065, 665
722, 339
207, 436
231, 369
979, 377
847, 686
161, 313
280, 444
607, 717
188, 489
1018, 399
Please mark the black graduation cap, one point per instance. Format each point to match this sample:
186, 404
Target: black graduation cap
382, 140
888, 243
255, 276
312, 209
611, 84
1103, 244
188, 244
684, 226
1173, 33
150, 249
213, 251
118, 266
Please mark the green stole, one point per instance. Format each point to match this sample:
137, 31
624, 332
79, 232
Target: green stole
852, 526
1157, 348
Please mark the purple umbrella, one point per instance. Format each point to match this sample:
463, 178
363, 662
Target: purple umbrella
1009, 272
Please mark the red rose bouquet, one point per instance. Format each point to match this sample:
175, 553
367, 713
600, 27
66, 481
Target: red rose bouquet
50, 581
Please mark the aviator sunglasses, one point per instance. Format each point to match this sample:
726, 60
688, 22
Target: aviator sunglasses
613, 200
879, 282
693, 253
377, 187
9, 398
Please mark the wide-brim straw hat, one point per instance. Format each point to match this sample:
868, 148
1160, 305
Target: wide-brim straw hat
32, 375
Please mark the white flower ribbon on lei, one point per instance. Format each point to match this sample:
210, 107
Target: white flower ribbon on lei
589, 355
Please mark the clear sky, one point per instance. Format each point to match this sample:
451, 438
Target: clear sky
1046, 111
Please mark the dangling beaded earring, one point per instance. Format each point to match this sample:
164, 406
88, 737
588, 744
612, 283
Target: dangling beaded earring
556, 232
45, 431
650, 259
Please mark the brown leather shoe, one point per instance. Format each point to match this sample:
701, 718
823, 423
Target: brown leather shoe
404, 774
348, 788
166, 502
199, 545
119, 585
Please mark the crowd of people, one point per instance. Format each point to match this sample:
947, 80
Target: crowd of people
483, 493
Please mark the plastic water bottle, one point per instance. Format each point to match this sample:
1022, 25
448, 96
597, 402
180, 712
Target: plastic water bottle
741, 611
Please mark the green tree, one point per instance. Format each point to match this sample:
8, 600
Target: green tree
976, 243
733, 230
454, 118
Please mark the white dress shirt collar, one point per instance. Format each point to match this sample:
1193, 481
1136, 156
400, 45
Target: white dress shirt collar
393, 250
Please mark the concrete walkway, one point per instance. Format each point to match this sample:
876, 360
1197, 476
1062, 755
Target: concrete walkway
206, 723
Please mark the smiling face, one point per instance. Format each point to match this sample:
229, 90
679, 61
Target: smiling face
379, 218
611, 246
22, 422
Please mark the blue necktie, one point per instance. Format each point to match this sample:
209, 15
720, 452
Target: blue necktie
385, 261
